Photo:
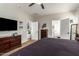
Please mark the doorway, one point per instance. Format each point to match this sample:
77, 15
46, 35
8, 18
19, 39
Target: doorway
55, 28
34, 30
73, 31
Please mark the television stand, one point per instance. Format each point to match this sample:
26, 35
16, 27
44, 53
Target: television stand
9, 43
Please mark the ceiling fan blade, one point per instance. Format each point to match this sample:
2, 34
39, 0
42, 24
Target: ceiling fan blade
42, 6
31, 4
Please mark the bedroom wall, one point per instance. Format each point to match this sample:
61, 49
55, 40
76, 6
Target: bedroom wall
77, 15
12, 12
48, 20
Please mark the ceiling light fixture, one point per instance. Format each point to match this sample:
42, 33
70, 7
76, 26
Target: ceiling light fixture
41, 4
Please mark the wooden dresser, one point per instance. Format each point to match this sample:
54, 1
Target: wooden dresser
44, 33
9, 43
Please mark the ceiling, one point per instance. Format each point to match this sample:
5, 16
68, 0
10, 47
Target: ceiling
50, 8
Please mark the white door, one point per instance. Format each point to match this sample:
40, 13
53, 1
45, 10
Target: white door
55, 28
64, 29
34, 30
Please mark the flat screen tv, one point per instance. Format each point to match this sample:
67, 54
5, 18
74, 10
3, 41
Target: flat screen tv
7, 24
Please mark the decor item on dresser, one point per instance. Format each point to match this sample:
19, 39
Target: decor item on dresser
15, 34
9, 43
44, 26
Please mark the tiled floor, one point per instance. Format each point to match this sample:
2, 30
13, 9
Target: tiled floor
23, 45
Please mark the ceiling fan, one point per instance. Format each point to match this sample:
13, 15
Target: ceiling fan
41, 4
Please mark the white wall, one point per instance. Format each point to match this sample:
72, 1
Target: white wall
12, 12
48, 20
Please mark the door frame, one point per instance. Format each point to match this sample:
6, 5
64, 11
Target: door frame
71, 31
33, 29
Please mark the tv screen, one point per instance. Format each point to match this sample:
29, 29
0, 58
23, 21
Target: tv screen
7, 24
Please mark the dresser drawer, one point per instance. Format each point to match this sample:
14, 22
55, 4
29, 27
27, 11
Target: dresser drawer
4, 47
